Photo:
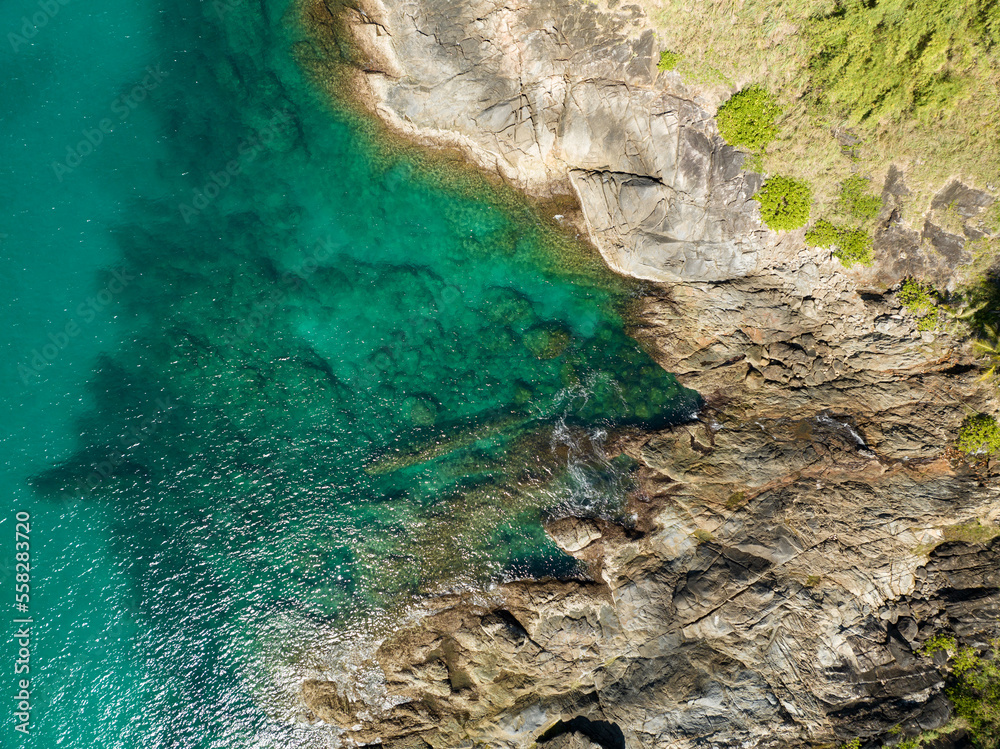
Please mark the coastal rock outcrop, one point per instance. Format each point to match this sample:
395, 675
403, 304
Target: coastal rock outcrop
774, 590
787, 554
557, 98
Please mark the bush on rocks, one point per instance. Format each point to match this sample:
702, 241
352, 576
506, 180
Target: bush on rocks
851, 246
784, 203
979, 435
668, 61
747, 119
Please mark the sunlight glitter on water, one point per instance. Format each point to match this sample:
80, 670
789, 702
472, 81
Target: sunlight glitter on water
338, 378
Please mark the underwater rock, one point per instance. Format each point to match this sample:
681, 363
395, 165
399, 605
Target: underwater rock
547, 341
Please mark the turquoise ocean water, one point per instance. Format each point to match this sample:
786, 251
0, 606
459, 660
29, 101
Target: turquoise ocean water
265, 380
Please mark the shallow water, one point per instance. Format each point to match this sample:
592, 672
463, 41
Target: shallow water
267, 380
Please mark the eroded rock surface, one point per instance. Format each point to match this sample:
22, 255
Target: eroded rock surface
787, 560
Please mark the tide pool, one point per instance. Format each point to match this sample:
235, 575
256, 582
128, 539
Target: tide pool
266, 379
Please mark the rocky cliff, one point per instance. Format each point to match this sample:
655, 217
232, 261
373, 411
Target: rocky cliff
792, 549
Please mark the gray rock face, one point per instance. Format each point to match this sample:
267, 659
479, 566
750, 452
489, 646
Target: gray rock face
560, 96
967, 201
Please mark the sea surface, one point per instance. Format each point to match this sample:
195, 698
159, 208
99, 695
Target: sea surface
267, 377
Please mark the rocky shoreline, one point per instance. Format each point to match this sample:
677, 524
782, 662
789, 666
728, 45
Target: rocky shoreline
793, 549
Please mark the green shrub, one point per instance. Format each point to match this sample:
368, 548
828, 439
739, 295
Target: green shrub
938, 643
747, 119
851, 245
930, 320
974, 690
668, 60
979, 435
921, 300
918, 298
855, 247
823, 234
855, 200
784, 203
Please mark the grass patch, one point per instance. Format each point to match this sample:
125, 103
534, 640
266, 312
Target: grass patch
748, 118
784, 203
668, 61
979, 435
736, 500
985, 253
888, 59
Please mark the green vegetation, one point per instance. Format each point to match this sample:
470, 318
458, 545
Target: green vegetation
855, 200
880, 60
918, 298
854, 743
852, 246
930, 320
939, 643
748, 119
862, 84
736, 500
855, 247
979, 435
921, 300
974, 690
784, 203
823, 234
988, 346
668, 60
975, 693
